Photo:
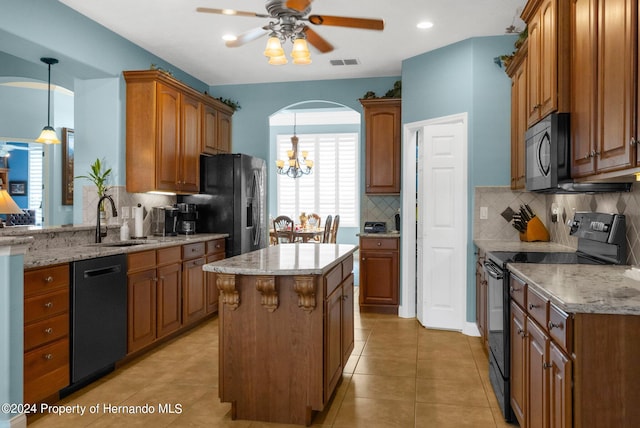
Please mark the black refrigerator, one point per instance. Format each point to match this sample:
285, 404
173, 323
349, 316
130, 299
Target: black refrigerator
232, 200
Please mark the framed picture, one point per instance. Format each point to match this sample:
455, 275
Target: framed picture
18, 188
67, 166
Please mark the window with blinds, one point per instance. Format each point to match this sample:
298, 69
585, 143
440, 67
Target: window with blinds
36, 183
332, 187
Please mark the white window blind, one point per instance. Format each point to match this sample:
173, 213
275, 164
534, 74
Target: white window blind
332, 187
35, 180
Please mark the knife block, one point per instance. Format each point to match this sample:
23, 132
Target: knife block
535, 231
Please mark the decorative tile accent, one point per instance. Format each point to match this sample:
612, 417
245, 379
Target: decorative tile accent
380, 208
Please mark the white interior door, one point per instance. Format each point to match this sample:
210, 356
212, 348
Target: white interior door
441, 225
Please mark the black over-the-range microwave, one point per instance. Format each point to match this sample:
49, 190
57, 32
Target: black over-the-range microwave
548, 160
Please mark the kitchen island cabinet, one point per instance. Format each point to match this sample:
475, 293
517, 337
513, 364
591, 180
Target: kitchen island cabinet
286, 329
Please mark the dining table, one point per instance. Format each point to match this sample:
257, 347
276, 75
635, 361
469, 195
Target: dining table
301, 234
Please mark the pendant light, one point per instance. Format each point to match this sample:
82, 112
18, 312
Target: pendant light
48, 134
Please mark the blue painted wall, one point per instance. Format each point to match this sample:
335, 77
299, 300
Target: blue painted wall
464, 78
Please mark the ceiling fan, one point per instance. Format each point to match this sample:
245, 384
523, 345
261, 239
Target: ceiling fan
288, 20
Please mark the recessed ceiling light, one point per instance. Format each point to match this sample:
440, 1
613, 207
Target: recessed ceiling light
424, 25
228, 12
229, 38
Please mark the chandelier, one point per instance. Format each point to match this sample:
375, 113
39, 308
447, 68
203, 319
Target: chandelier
295, 168
287, 28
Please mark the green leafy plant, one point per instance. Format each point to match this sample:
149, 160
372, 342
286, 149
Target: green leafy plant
235, 105
98, 176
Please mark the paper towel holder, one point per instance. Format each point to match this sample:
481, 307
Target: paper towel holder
138, 222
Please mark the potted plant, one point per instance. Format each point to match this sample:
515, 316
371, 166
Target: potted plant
98, 176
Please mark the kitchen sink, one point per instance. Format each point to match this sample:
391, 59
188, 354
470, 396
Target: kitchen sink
122, 243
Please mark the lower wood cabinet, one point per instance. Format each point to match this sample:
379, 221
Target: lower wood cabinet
481, 298
379, 275
46, 332
215, 251
168, 291
193, 283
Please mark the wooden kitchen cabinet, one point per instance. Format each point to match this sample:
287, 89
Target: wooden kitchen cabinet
547, 62
604, 79
141, 300
481, 298
193, 283
517, 70
216, 130
215, 250
168, 291
518, 375
46, 332
379, 275
383, 129
224, 131
537, 349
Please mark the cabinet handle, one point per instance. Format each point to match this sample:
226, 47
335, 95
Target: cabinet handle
546, 365
514, 290
154, 279
587, 156
520, 331
552, 325
48, 305
379, 243
633, 141
48, 279
48, 356
48, 330
532, 306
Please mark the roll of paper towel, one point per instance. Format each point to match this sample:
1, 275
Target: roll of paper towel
138, 221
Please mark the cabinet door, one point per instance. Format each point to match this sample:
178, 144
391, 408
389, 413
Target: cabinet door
518, 364
548, 66
168, 144
382, 147
560, 403
481, 300
212, 289
169, 299
224, 132
518, 125
379, 277
537, 410
583, 86
209, 130
141, 303
347, 319
616, 88
189, 180
533, 70
193, 291
333, 342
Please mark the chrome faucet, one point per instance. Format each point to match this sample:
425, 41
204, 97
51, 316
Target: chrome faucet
114, 212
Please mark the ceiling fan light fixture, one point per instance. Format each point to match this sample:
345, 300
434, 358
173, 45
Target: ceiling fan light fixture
300, 49
278, 60
302, 61
274, 48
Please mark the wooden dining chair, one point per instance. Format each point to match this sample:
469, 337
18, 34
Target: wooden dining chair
334, 229
314, 220
327, 229
283, 229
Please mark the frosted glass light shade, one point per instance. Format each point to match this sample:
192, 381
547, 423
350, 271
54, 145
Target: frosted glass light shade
48, 136
302, 61
300, 49
274, 48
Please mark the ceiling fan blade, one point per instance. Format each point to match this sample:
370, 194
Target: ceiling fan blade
247, 37
342, 21
299, 5
231, 12
317, 41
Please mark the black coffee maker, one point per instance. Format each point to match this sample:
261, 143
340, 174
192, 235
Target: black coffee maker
164, 221
187, 216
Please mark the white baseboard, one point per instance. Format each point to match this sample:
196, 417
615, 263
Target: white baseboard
470, 329
18, 421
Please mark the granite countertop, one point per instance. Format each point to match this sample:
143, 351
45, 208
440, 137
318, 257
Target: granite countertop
390, 234
285, 259
41, 258
499, 245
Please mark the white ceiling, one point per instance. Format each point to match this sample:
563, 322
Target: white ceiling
192, 41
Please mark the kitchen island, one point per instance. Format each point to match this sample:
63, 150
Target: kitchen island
286, 329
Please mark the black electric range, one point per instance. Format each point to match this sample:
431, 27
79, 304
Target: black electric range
601, 240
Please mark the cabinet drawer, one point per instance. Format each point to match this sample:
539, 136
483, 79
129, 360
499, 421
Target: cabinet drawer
537, 307
518, 290
332, 280
169, 255
215, 246
379, 243
46, 279
560, 328
43, 360
193, 251
347, 267
141, 261
46, 331
46, 305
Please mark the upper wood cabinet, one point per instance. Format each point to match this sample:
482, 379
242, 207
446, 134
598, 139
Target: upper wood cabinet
547, 64
382, 118
517, 70
603, 93
168, 125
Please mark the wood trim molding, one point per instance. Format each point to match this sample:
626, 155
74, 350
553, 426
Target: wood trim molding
306, 288
266, 285
229, 295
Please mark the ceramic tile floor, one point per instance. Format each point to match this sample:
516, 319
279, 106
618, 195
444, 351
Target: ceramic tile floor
399, 375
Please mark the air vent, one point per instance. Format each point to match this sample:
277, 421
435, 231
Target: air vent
344, 61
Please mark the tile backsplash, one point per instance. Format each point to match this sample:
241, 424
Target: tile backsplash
380, 208
497, 199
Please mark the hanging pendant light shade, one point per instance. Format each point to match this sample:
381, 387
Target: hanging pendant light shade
48, 134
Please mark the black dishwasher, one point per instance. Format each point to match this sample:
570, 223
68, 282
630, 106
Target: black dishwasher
98, 317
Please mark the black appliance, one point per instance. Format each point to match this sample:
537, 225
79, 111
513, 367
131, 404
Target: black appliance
375, 227
164, 221
187, 217
98, 318
548, 160
232, 200
601, 240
